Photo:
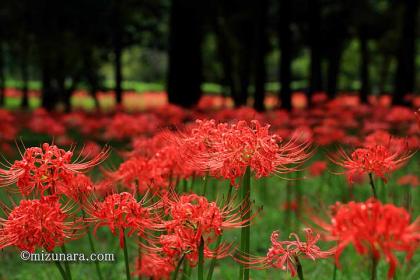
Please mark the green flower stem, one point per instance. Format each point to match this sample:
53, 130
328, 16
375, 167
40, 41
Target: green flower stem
372, 184
60, 268
200, 270
206, 179
246, 230
127, 263
178, 266
299, 268
214, 260
92, 248
373, 268
66, 264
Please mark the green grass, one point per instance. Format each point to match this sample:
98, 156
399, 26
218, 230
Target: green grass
270, 193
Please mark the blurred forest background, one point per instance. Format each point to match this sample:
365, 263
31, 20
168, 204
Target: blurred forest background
242, 49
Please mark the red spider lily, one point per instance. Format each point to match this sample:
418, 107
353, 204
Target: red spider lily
317, 168
7, 126
284, 254
42, 168
409, 180
154, 266
203, 216
377, 160
42, 122
184, 243
417, 114
192, 219
90, 149
78, 188
121, 212
43, 223
152, 166
124, 125
227, 150
291, 206
374, 229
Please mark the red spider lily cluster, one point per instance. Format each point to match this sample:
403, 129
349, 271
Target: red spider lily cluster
378, 160
373, 229
151, 198
38, 223
192, 220
285, 255
226, 150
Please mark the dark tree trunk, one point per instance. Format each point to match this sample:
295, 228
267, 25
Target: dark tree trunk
244, 77
118, 73
48, 96
315, 45
2, 76
334, 61
245, 49
404, 79
185, 62
25, 75
384, 73
364, 68
261, 51
117, 49
285, 38
91, 76
226, 61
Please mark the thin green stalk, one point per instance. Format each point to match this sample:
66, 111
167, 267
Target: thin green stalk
408, 199
66, 264
373, 268
246, 230
184, 185
200, 270
139, 258
60, 268
372, 184
178, 266
186, 272
206, 179
127, 263
92, 248
214, 260
299, 268
335, 271
229, 194
287, 213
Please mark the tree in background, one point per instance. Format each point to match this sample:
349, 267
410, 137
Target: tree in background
404, 77
185, 62
286, 45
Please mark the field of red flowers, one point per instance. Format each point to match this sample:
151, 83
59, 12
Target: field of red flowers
329, 192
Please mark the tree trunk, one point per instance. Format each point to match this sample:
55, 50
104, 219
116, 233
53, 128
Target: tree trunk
25, 76
384, 73
2, 75
48, 96
315, 45
334, 62
185, 62
118, 73
261, 51
364, 68
285, 38
226, 61
117, 49
404, 79
91, 75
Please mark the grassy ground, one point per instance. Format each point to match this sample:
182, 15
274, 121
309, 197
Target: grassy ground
270, 193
